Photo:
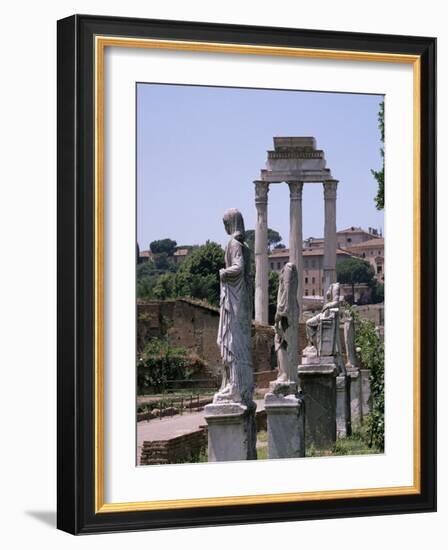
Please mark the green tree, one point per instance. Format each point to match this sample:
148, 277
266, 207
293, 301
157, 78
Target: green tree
167, 246
164, 287
198, 276
379, 174
146, 279
274, 238
353, 271
161, 261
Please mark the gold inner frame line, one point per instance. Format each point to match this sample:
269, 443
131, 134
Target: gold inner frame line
101, 42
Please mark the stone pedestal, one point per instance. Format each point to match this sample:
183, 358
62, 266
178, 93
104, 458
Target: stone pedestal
343, 415
365, 389
355, 396
232, 432
317, 378
286, 425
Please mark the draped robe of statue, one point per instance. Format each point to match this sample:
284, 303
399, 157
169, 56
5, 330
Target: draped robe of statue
286, 331
234, 332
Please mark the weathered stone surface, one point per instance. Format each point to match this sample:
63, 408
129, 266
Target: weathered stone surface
235, 316
286, 425
286, 333
330, 243
294, 160
318, 383
365, 387
232, 431
355, 396
193, 325
261, 253
343, 412
295, 235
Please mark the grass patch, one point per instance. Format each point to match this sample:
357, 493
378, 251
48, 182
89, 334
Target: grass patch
356, 444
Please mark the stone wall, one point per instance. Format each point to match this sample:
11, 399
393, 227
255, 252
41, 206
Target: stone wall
373, 312
184, 448
194, 326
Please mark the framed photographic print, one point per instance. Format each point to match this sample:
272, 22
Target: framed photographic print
246, 274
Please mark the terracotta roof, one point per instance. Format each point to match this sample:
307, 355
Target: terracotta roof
145, 254
353, 230
182, 252
372, 243
284, 253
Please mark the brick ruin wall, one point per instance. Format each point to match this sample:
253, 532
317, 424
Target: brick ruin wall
194, 326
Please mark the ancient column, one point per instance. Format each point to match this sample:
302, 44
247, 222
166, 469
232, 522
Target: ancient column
330, 246
295, 234
261, 253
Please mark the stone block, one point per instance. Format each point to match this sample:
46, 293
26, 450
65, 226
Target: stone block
232, 432
355, 396
318, 384
286, 425
365, 389
343, 410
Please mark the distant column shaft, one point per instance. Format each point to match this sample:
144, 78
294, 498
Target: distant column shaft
295, 234
330, 246
261, 253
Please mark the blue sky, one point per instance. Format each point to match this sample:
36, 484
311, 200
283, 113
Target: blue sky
200, 148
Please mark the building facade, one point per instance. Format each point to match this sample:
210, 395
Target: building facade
313, 267
373, 252
353, 241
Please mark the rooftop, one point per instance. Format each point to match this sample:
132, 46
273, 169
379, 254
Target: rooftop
372, 243
284, 252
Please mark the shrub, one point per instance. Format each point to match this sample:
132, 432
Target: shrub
372, 358
160, 363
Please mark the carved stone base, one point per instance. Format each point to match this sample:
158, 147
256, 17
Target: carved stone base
355, 395
343, 416
279, 387
318, 383
232, 432
286, 425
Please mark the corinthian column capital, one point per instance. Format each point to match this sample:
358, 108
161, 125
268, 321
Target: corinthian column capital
295, 190
330, 189
261, 191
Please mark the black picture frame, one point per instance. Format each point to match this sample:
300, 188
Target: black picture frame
76, 285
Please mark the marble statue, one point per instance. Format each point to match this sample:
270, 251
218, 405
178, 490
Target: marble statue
234, 332
286, 330
322, 330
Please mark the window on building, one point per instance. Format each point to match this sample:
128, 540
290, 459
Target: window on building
278, 265
313, 263
380, 269
363, 254
272, 265
306, 280
306, 292
313, 280
314, 292
349, 239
